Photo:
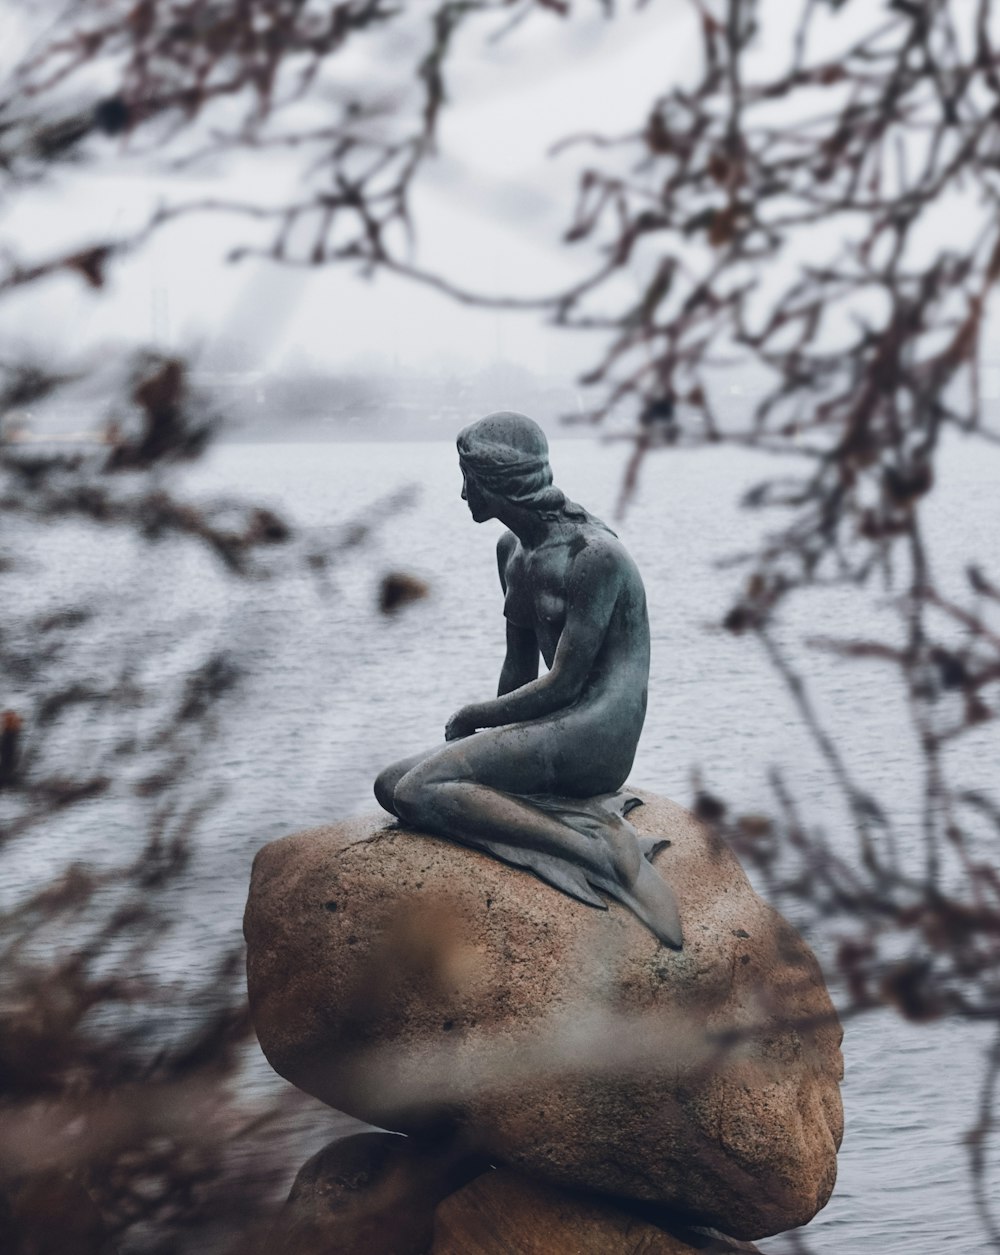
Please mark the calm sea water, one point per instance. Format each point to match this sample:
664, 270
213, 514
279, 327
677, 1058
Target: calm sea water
334, 690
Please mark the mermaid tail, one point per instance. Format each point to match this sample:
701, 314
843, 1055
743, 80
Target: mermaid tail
651, 846
650, 899
637, 887
561, 874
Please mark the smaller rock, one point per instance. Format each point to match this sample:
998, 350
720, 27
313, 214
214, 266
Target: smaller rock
370, 1194
501, 1212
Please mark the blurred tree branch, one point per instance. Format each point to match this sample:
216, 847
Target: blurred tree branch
793, 218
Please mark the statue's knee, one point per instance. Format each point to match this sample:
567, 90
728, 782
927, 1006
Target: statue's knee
385, 786
409, 798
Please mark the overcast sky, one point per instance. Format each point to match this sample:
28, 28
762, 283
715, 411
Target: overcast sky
491, 213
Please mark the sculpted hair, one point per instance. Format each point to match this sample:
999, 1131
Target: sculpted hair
508, 455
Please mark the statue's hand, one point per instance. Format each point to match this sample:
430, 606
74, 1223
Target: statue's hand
461, 724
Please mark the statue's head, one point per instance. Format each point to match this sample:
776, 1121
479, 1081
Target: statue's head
505, 458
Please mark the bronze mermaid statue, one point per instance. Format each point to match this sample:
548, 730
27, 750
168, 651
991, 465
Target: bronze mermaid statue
533, 776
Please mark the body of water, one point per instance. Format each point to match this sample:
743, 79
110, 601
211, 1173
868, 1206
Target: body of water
333, 691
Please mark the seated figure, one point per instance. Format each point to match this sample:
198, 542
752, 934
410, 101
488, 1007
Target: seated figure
533, 775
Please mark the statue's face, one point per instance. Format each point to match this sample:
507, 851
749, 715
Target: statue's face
479, 500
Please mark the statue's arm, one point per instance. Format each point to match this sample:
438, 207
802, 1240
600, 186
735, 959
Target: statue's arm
521, 664
593, 590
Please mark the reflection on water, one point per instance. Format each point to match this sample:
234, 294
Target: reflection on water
334, 691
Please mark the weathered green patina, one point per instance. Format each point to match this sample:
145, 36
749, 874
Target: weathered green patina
533, 776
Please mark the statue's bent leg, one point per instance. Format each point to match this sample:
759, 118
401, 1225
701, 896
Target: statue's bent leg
469, 791
478, 815
465, 792
389, 778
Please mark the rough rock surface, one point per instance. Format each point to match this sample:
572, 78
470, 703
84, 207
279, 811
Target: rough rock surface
382, 1194
421, 985
370, 1194
502, 1212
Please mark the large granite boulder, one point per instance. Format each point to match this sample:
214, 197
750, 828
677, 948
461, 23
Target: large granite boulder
423, 986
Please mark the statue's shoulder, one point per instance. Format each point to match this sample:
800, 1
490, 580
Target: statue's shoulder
505, 549
604, 556
599, 544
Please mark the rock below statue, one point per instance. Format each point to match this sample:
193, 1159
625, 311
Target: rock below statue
423, 986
